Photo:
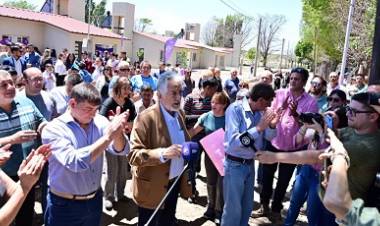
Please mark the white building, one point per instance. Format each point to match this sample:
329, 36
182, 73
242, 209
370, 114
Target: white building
65, 28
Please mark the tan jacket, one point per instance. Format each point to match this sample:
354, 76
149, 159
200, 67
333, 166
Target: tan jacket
150, 177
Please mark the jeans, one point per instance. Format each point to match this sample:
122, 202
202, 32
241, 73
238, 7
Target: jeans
285, 173
238, 184
305, 188
64, 212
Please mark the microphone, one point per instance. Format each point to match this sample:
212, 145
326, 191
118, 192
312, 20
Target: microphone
190, 150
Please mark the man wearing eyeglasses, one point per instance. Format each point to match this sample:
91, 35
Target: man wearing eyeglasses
20, 120
318, 91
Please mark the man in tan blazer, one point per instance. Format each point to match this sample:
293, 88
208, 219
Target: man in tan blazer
156, 142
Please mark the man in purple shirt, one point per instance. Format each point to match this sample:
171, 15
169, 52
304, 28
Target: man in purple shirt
289, 103
78, 140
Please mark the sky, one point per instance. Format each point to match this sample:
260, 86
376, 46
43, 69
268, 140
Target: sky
173, 14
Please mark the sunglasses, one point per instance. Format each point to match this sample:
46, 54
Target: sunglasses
124, 69
315, 84
352, 111
331, 99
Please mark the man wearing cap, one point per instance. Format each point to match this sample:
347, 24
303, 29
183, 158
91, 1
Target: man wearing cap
15, 60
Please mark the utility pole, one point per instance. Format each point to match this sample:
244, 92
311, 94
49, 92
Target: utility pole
374, 78
257, 49
347, 42
282, 52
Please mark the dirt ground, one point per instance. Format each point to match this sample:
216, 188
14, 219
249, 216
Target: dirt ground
125, 213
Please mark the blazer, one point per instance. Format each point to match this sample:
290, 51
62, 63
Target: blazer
10, 61
150, 177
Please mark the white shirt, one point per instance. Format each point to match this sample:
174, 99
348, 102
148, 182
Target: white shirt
49, 80
18, 66
60, 67
140, 106
177, 136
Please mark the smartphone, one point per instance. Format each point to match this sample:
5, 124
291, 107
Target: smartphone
329, 121
324, 175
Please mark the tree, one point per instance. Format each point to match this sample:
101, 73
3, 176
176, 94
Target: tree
220, 32
142, 24
21, 4
251, 54
303, 50
99, 13
324, 23
270, 26
87, 9
238, 24
212, 31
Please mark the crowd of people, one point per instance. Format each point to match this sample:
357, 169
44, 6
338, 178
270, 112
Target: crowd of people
61, 115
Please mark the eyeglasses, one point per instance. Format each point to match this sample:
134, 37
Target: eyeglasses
315, 83
352, 111
335, 100
38, 79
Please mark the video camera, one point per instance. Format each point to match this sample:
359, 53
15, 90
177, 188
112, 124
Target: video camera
308, 117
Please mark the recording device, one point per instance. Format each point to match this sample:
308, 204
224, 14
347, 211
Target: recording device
329, 121
189, 150
247, 141
190, 154
307, 117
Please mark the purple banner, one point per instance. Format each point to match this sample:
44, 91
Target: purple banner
169, 47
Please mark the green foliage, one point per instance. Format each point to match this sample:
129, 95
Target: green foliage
181, 58
251, 54
97, 12
303, 50
21, 4
324, 23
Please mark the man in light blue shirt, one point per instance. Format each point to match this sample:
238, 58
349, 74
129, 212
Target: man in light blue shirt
253, 120
78, 140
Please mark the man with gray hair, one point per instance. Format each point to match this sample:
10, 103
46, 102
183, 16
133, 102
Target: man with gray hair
231, 85
156, 142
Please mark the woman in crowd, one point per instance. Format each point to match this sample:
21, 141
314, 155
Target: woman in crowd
102, 84
336, 108
117, 166
70, 60
210, 122
189, 83
46, 59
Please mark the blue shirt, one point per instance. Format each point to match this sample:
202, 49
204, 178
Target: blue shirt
232, 87
210, 123
60, 98
177, 136
44, 103
34, 59
70, 168
23, 116
138, 81
239, 119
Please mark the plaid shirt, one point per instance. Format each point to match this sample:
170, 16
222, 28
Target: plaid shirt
23, 116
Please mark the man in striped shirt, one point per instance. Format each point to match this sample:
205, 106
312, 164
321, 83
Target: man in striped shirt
20, 123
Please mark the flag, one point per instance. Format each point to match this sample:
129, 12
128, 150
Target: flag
170, 43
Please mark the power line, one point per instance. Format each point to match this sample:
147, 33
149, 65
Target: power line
238, 8
234, 9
